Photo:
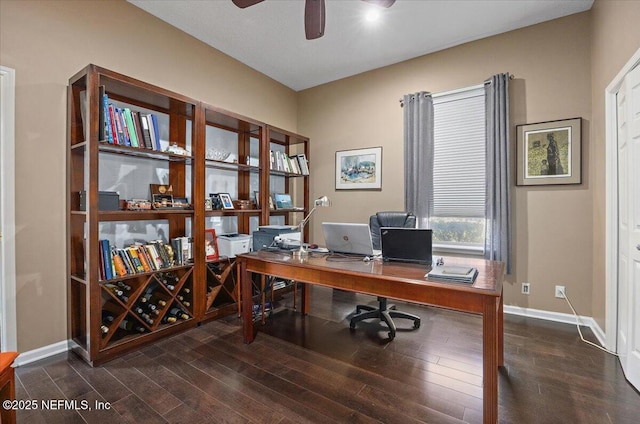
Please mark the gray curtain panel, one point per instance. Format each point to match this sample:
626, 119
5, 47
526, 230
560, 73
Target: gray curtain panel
497, 244
418, 155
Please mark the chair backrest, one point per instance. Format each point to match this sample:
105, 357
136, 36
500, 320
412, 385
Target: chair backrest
389, 219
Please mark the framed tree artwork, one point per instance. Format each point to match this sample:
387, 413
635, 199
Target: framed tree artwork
549, 153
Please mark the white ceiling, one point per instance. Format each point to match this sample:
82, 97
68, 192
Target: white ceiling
270, 37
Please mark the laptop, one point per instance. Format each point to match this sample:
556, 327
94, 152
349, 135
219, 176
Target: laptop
340, 237
406, 244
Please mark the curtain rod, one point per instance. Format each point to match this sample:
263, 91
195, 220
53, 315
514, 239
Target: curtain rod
511, 76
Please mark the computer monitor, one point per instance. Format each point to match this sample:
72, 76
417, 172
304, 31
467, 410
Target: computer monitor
406, 244
340, 237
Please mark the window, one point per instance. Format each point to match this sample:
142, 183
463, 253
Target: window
458, 205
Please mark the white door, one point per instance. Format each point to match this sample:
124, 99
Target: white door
628, 102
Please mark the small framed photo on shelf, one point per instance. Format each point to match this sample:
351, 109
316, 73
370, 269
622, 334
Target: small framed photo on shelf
256, 198
216, 202
208, 204
283, 201
271, 204
227, 203
211, 244
359, 169
549, 153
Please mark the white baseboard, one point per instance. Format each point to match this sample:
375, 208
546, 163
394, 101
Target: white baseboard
41, 353
558, 317
56, 348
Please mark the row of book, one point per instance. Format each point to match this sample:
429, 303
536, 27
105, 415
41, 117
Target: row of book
123, 126
295, 164
139, 258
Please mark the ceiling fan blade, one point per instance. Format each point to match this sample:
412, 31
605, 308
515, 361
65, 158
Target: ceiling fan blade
245, 3
314, 19
381, 3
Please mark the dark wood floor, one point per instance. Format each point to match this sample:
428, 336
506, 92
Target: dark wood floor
315, 370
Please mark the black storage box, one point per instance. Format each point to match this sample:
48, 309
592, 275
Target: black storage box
107, 201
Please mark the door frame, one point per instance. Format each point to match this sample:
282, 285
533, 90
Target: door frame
611, 173
8, 334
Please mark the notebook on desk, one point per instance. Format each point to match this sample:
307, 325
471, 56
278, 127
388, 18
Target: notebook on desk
406, 244
350, 238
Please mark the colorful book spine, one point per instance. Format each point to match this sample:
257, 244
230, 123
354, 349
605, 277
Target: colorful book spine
108, 272
107, 119
114, 125
156, 132
131, 129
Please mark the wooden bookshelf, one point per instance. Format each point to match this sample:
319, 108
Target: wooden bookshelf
96, 163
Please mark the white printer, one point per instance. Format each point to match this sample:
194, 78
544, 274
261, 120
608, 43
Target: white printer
231, 245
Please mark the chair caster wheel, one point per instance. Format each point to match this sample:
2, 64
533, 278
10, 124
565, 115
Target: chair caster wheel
352, 326
416, 324
392, 336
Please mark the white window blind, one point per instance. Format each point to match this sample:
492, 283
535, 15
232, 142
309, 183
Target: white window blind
459, 154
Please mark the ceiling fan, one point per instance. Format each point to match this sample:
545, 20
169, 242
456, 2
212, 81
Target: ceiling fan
313, 14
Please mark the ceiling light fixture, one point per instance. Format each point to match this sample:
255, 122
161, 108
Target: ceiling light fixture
372, 15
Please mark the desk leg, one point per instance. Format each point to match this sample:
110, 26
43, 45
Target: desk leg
305, 299
500, 332
490, 325
247, 302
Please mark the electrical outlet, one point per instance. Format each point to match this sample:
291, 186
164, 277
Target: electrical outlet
560, 292
526, 288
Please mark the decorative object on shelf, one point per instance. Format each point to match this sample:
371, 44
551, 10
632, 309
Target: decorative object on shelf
359, 169
208, 204
256, 198
271, 203
283, 201
243, 204
162, 198
138, 205
177, 150
227, 203
211, 244
215, 154
319, 202
549, 153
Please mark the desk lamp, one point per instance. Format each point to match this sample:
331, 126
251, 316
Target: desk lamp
322, 202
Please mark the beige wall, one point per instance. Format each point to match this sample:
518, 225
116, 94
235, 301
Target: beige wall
551, 63
614, 40
46, 43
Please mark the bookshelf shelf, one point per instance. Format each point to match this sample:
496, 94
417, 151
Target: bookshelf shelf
109, 312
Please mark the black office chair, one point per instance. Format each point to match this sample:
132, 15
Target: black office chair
384, 311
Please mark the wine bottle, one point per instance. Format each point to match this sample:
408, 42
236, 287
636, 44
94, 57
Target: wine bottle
168, 319
104, 329
113, 289
178, 313
107, 317
138, 309
117, 292
123, 286
131, 325
153, 298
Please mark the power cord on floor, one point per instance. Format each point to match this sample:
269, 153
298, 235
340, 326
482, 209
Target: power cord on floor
580, 331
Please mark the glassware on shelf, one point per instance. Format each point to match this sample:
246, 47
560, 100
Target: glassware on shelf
215, 154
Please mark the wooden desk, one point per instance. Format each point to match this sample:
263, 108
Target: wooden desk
397, 281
